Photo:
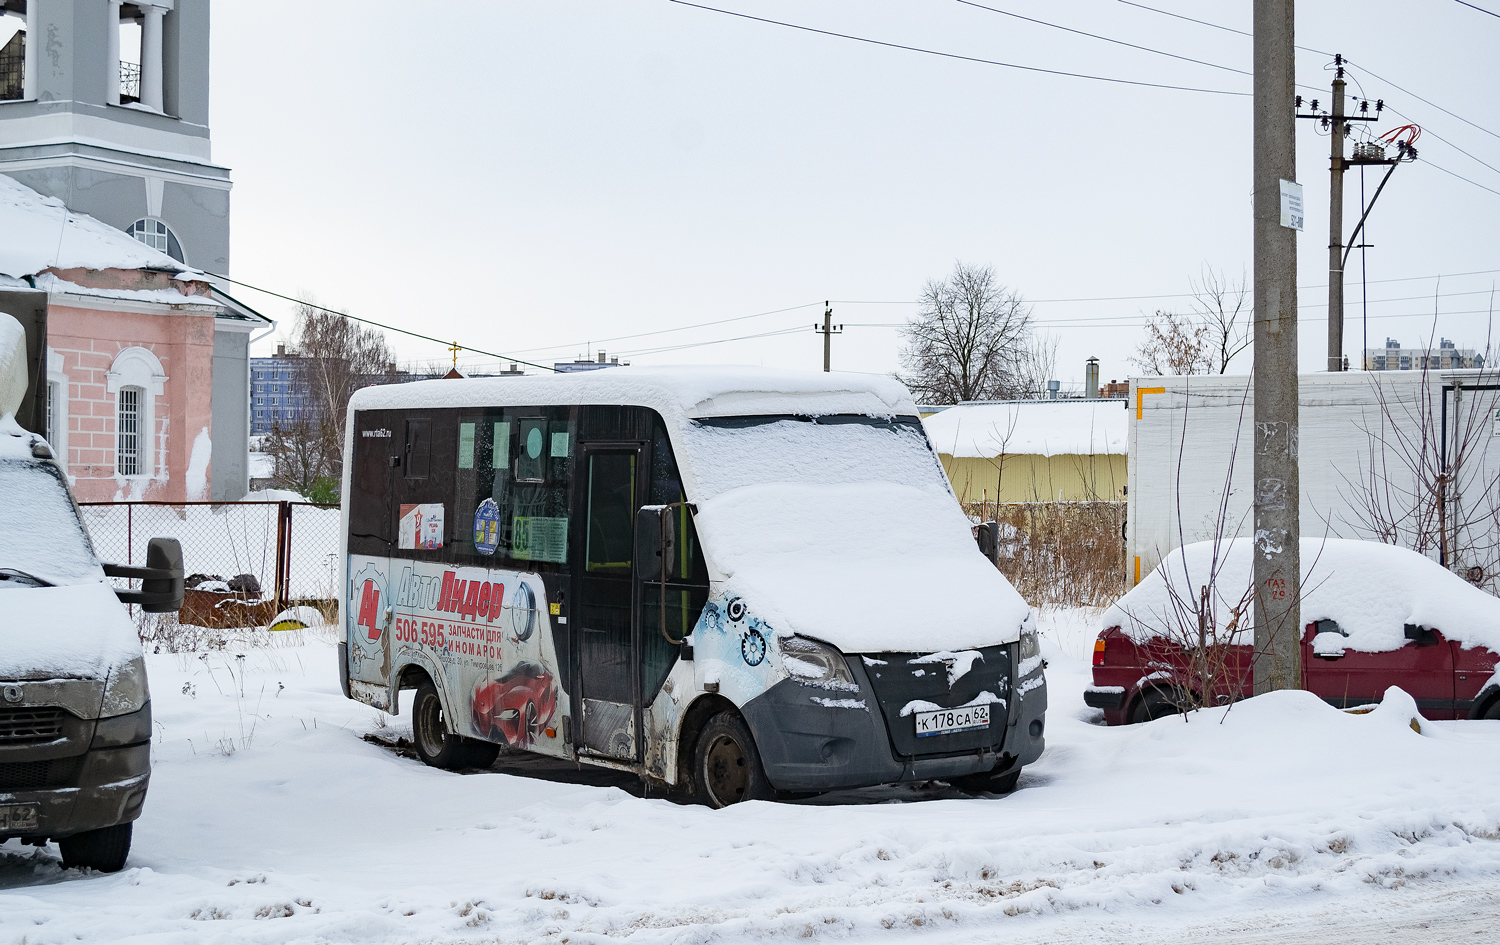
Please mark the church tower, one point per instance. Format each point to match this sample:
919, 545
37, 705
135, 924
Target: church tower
104, 105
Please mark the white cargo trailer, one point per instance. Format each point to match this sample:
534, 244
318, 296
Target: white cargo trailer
1407, 457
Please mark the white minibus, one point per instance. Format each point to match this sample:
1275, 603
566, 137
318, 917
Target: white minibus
736, 583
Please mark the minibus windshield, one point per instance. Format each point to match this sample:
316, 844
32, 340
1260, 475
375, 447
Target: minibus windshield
44, 541
731, 452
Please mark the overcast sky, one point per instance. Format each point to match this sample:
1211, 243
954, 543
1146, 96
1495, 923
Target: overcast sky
538, 179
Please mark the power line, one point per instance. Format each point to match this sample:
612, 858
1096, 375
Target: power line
716, 341
1426, 130
1374, 75
1371, 72
1465, 3
1461, 177
1179, 295
366, 321
948, 55
1107, 39
663, 331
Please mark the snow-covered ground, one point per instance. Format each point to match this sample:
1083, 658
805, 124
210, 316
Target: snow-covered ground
270, 819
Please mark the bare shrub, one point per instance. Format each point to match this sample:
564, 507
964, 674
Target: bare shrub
1070, 554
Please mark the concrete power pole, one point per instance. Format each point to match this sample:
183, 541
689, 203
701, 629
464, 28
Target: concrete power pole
1278, 216
828, 331
1338, 123
1336, 229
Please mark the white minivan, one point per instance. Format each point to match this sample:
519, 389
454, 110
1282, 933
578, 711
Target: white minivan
738, 583
75, 711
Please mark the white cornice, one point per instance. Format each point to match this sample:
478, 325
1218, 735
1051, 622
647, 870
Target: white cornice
63, 127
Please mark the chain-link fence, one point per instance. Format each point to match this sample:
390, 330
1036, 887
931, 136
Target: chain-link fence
245, 561
1067, 553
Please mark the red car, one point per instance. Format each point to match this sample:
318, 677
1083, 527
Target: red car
517, 707
1374, 616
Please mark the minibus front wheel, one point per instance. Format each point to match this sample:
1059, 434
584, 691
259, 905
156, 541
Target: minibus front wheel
436, 745
727, 766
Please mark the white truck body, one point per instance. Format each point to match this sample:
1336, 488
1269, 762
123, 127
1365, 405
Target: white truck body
1374, 447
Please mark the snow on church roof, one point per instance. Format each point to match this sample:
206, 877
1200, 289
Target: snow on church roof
1030, 427
39, 233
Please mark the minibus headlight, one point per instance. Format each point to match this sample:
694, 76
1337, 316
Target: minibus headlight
815, 663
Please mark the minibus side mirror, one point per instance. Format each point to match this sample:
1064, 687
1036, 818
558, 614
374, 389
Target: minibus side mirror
161, 579
987, 534
655, 542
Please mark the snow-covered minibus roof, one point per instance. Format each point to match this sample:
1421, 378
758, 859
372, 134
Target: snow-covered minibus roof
847, 532
674, 392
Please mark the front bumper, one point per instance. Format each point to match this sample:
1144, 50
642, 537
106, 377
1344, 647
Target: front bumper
110, 790
812, 739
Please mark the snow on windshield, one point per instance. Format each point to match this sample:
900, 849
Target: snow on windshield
732, 452
43, 536
844, 529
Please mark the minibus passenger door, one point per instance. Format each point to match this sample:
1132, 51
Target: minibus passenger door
607, 658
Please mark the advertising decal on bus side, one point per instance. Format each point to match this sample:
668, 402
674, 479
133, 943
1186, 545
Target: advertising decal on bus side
478, 628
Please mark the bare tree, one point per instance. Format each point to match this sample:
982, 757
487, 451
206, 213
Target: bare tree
1205, 341
1222, 309
1174, 345
969, 340
1037, 365
336, 357
1430, 481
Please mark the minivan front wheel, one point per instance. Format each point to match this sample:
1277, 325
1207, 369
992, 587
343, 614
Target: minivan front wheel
104, 849
728, 768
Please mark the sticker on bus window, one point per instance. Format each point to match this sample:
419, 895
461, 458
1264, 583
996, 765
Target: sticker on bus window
539, 538
487, 527
560, 445
500, 453
421, 526
466, 446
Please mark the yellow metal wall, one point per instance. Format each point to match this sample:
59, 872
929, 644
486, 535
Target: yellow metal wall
1033, 478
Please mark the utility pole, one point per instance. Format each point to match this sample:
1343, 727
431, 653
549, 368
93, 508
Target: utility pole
828, 330
1278, 216
1337, 124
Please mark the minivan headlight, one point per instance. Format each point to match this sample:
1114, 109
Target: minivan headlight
817, 664
126, 691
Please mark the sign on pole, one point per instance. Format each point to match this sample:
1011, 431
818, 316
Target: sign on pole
1291, 205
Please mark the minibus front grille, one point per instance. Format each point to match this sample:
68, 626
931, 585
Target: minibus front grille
25, 726
909, 681
40, 775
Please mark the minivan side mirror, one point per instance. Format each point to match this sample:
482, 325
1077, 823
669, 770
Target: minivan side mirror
655, 542
161, 579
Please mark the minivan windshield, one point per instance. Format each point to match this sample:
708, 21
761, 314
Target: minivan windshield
731, 452
44, 541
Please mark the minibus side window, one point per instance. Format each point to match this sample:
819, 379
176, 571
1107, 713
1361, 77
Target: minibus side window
539, 509
511, 468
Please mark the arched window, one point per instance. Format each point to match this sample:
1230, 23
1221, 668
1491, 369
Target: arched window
136, 379
158, 236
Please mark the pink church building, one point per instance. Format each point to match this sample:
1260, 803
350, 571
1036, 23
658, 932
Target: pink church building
132, 371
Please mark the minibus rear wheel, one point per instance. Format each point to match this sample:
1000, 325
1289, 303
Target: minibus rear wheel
437, 746
727, 766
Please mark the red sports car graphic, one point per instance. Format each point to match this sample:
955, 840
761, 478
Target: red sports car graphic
515, 708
